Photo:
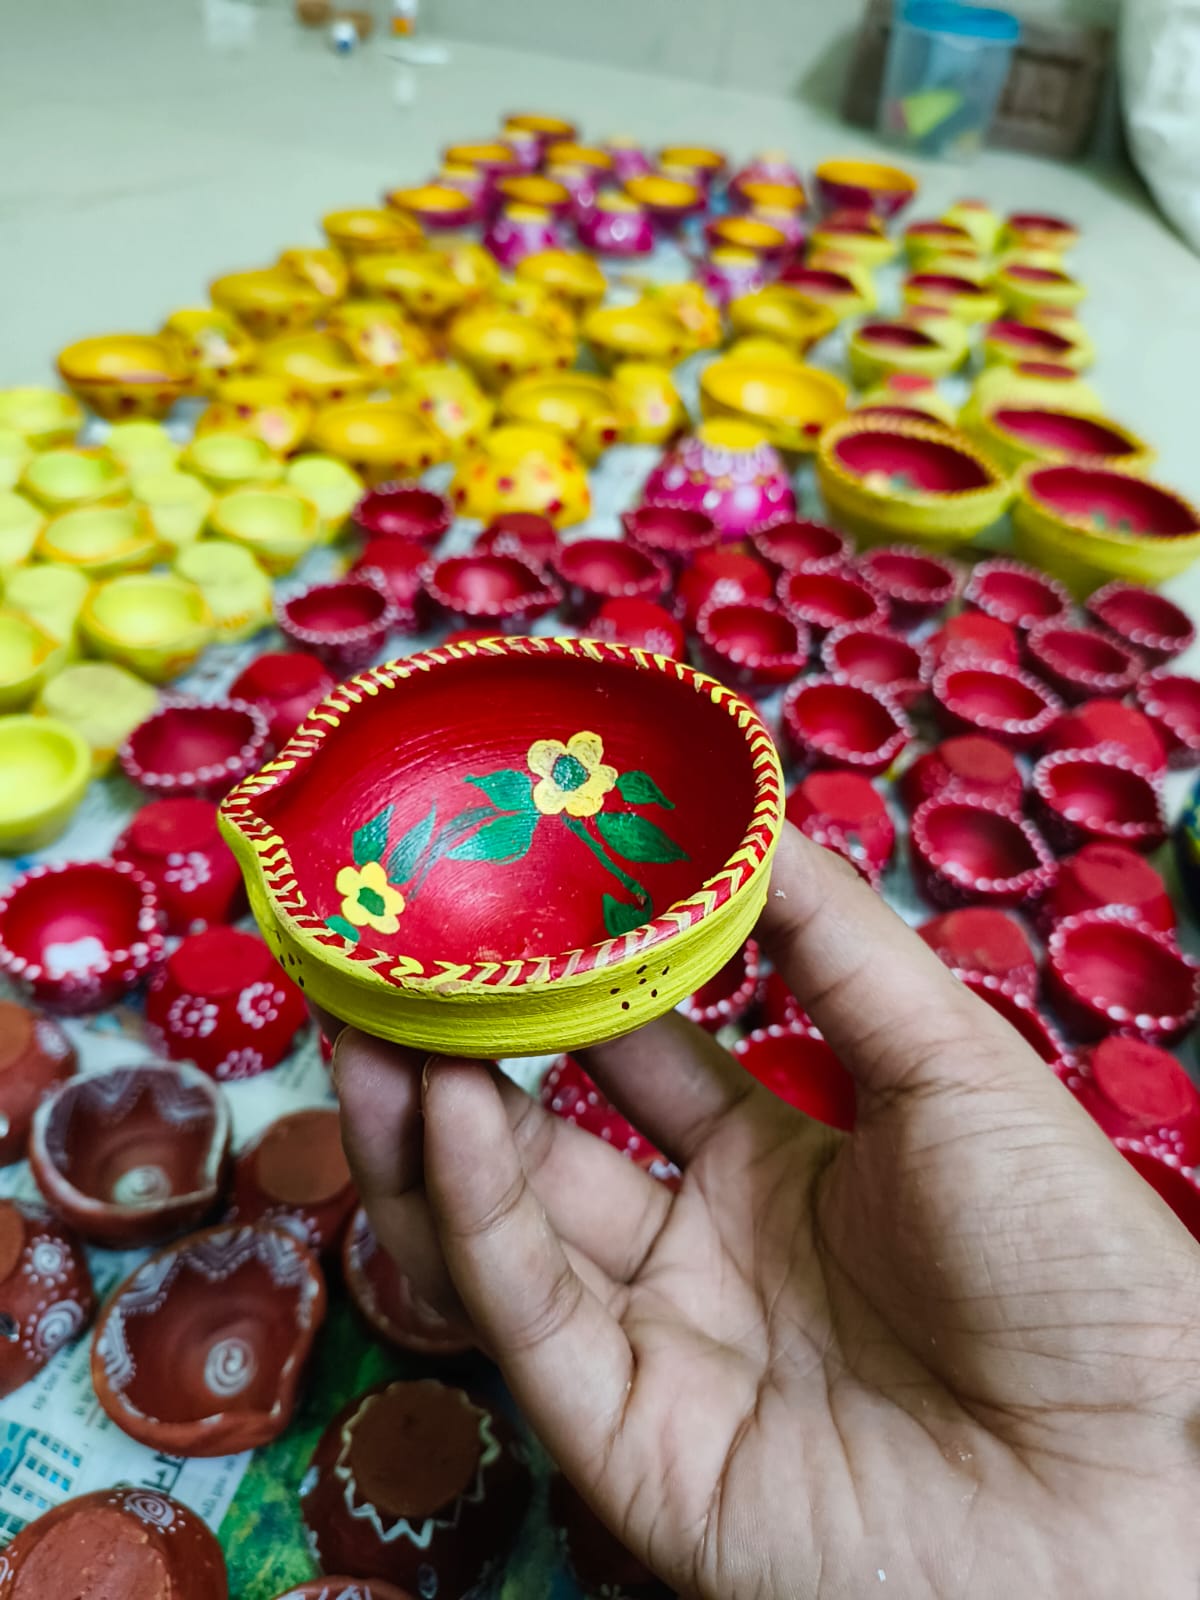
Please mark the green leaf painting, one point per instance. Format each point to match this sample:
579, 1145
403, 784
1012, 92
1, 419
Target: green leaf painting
505, 838
640, 789
508, 789
370, 841
405, 855
637, 838
620, 917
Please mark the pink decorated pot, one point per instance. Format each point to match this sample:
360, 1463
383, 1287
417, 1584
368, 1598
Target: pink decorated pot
728, 273
518, 231
46, 1296
192, 747
727, 470
176, 846
345, 623
616, 226
628, 158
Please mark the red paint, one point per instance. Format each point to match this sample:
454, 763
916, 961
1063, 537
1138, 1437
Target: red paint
285, 685
934, 466
1063, 430
1124, 502
177, 848
797, 1066
897, 336
987, 941
1023, 335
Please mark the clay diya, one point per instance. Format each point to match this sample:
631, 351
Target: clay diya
1081, 663
59, 480
518, 229
498, 345
100, 541
406, 511
675, 535
519, 468
1136, 1090
845, 812
449, 399
752, 644
768, 166
971, 851
724, 576
628, 158
830, 722
1034, 230
798, 545
640, 623
28, 656
1023, 286
593, 571
798, 1067
236, 588
371, 230
270, 411
20, 524
285, 685
194, 748
728, 274
1147, 622
277, 525
268, 301
381, 440
1171, 704
569, 1093
824, 599
781, 312
652, 412
521, 533
857, 234
670, 198
698, 163
43, 417
638, 332
580, 407
1098, 795
986, 941
749, 233
970, 767
506, 592
915, 585
295, 1176
382, 337
226, 460
569, 274
154, 623
323, 267
990, 698
846, 185
872, 654
616, 225
46, 1300
955, 292
344, 623
1014, 435
141, 446
877, 349
1010, 343
727, 470
1015, 593
317, 367
35, 1056
328, 927
546, 129
1020, 1011
908, 397
124, 374
45, 768
973, 633
838, 284
790, 405
384, 1297
201, 1349
1106, 972
1102, 874
176, 847
437, 207
213, 344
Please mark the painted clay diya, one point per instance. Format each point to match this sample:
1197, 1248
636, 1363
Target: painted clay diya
823, 600
728, 274
727, 470
141, 446
955, 292
226, 460
124, 374
371, 230
973, 633
1108, 973
318, 367
799, 545
295, 1176
344, 623
686, 304
1015, 435
406, 511
769, 166
381, 440
20, 523
752, 644
935, 238
1081, 796
177, 848
669, 198
569, 1093
1020, 1011
640, 623
570, 274
748, 232
268, 301
498, 345
277, 525
285, 685
730, 994
638, 332
580, 407
46, 1299
1023, 286
236, 588
101, 702
1136, 1090
1032, 230
196, 748
44, 417
519, 468
268, 412
845, 812
35, 1056
652, 412
28, 656
597, 1562
836, 283
969, 766
200, 1350
521, 533
908, 397
214, 345
1147, 622
45, 769
1109, 722
915, 585
505, 592
698, 163
674, 535
791, 405
1010, 343
798, 1067
857, 234
720, 575
382, 337
1103, 874
546, 129
154, 623
845, 185
518, 230
1171, 703
830, 722
996, 700
1080, 663
592, 571
59, 480
372, 926
616, 226
449, 399
384, 1297
780, 1008
1015, 593
975, 852
987, 941
52, 597
438, 207
100, 541
321, 266
877, 349
872, 654
783, 313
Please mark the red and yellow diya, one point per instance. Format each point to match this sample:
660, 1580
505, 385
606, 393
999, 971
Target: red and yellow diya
525, 861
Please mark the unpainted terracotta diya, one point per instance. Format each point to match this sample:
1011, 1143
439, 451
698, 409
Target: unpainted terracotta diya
1136, 1090
868, 653
797, 544
640, 623
670, 532
1171, 703
975, 852
384, 1296
1104, 874
190, 747
344, 623
830, 722
1098, 795
844, 811
972, 633
285, 685
916, 585
752, 644
503, 592
404, 510
1108, 722
419, 1483
1007, 705
35, 1056
46, 1297
599, 1563
1106, 972
176, 846
294, 1174
731, 994
1147, 622
1081, 663
724, 576
799, 1067
987, 941
592, 571
1019, 1010
970, 766
824, 600
569, 1093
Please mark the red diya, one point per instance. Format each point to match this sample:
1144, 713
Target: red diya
1178, 1186
190, 748
987, 941
866, 653
128, 1156
35, 1056
595, 570
1081, 663
798, 545
1106, 972
969, 766
976, 852
505, 592
830, 722
1097, 795
720, 576
569, 1093
973, 633
404, 510
675, 535
731, 994
79, 935
420, 1484
200, 1351
823, 601
46, 1297
844, 810
599, 1563
285, 685
1014, 593
1136, 1090
221, 1001
345, 623
1142, 619
752, 644
399, 566
383, 1295
177, 848
1110, 875
780, 1008
1171, 704
294, 1174
849, 185
521, 533
1009, 706
1108, 723
127, 1544
1017, 1008
640, 623
916, 586
797, 1066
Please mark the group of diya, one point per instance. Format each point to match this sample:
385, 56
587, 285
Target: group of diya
557, 821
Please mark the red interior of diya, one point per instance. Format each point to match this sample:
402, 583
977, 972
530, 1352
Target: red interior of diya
399, 562
979, 694
789, 545
521, 533
828, 599
404, 509
1014, 594
89, 902
875, 656
1081, 652
674, 533
472, 717
982, 939
1028, 273
897, 336
1181, 1193
1044, 340
482, 583
178, 740
944, 283
930, 465
639, 622
909, 575
1096, 790
1179, 698
1108, 722
1021, 221
1020, 1013
802, 1070
752, 629
1062, 430
985, 843
818, 280
337, 607
1115, 502
1148, 619
1143, 1081
1119, 964
1104, 874
841, 716
610, 567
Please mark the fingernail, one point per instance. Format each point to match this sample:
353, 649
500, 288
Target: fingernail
425, 1075
420, 1307
335, 1062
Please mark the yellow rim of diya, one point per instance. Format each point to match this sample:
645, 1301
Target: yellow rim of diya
980, 306
50, 813
108, 478
133, 541
874, 175
872, 359
1011, 451
37, 655
870, 246
1019, 294
158, 657
778, 313
359, 230
45, 417
818, 399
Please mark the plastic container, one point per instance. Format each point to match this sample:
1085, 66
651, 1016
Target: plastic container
946, 66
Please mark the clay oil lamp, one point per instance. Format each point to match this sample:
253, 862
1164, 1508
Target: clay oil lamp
986, 941
44, 418
382, 337
985, 697
629, 159
652, 411
155, 623
1009, 343
791, 405
344, 1588
1023, 286
752, 644
519, 468
51, 597
285, 685
780, 1008
1102, 874
318, 367
798, 1067
545, 128
406, 511
592, 571
45, 769
1147, 622
769, 166
384, 1297
583, 183
419, 1483
640, 623
438, 207
265, 411
597, 1561
569, 274
236, 588
176, 847
381, 440
673, 534
200, 1351
845, 811
59, 480
1020, 1011
20, 524
370, 230
955, 292
519, 230
570, 153
46, 1297
28, 656
1081, 663
783, 314
848, 185
698, 163
383, 869
35, 1056
973, 633
78, 936
639, 332
969, 766
872, 654
321, 266
577, 405
536, 192
521, 533
1015, 593
125, 374
498, 345
226, 460
1033, 230
1136, 1090
569, 1093
294, 1175
975, 852
907, 397
268, 301
1106, 972
1015, 435
670, 199
127, 1156
878, 349
195, 748
826, 599
887, 479
277, 525
330, 485
1174, 1183
857, 234
1171, 704
730, 995
344, 623
748, 232
799, 545
728, 274
617, 226
837, 283
501, 592
100, 541
830, 722
727, 470
917, 586
930, 238
214, 344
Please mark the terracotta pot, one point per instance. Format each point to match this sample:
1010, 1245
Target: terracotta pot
1081, 796
1000, 702
1081, 663
987, 941
1019, 1010
731, 995
830, 722
675, 535
222, 1002
874, 655
383, 1294
975, 852
285, 685
969, 766
641, 623
915, 585
752, 644
46, 1297
1175, 1184
505, 592
127, 1156
1111, 723
344, 623
1106, 972
194, 748
404, 510
294, 1174
1147, 622
845, 811
798, 545
420, 1484
595, 570
570, 1093
1136, 1090
973, 633
1105, 874
526, 534
823, 601
176, 847
1172, 705
720, 575
600, 1564
1014, 593
797, 1065
35, 1056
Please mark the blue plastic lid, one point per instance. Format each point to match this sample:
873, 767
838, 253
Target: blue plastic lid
965, 22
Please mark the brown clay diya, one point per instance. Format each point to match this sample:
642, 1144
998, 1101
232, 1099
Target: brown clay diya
294, 1174
863, 653
729, 995
1106, 972
79, 935
1081, 663
916, 586
569, 1093
35, 1056
987, 941
1177, 1185
600, 1564
1007, 705
752, 644
797, 1065
1103, 874
46, 1297
1148, 622
195, 748
595, 570
1015, 593
404, 510
799, 545
828, 721
1171, 703
823, 600
970, 766
641, 623
1097, 795
521, 533
1019, 1010
724, 575
285, 685
844, 811
177, 848
344, 623
1108, 722
973, 633
1136, 1090
420, 1484
200, 1351
975, 852
383, 1294
130, 1155
506, 592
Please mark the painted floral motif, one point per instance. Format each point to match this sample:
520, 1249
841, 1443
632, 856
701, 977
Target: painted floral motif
368, 900
573, 777
187, 870
192, 1017
243, 1063
259, 1004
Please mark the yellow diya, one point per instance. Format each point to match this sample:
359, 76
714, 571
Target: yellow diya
102, 702
100, 541
227, 460
570, 274
380, 335
499, 345
318, 367
447, 397
20, 523
213, 343
44, 417
28, 655
267, 302
1010, 341
954, 292
1014, 435
746, 232
331, 486
580, 407
15, 455
858, 235
1023, 287
325, 270
125, 374
177, 504
45, 768
274, 522
1033, 385
236, 588
1032, 230
878, 348
641, 332
978, 219
473, 266
791, 404
1063, 321
436, 206
651, 409
378, 439
372, 230
154, 623
69, 476
419, 281
544, 309
784, 314
694, 311
142, 446
924, 241
264, 408
53, 596
519, 468
841, 284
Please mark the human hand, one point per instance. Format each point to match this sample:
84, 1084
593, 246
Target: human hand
954, 1354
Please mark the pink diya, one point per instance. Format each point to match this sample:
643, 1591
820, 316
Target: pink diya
526, 534
798, 1067
674, 535
698, 163
569, 1093
724, 576
404, 510
344, 623
1102, 874
1019, 1010
1171, 704
824, 600
79, 935
728, 274
384, 1297
399, 565
504, 592
975, 634
1106, 972
1144, 620
970, 767
150, 1546
730, 995
294, 1174
592, 571
176, 847
189, 747
641, 623
46, 1297
545, 128
848, 185
221, 1002
798, 545
988, 698
128, 1156
1081, 663
518, 231
1084, 795
829, 722
727, 470
1176, 1185
582, 183
768, 166
968, 851
200, 1351
669, 198
844, 810
986, 941
285, 685
1136, 1090
916, 586
1015, 593
752, 644
616, 225
35, 1056
628, 158
865, 652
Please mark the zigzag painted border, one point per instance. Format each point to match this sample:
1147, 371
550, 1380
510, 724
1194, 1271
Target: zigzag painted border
405, 972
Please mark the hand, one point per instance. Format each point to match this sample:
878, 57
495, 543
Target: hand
955, 1354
